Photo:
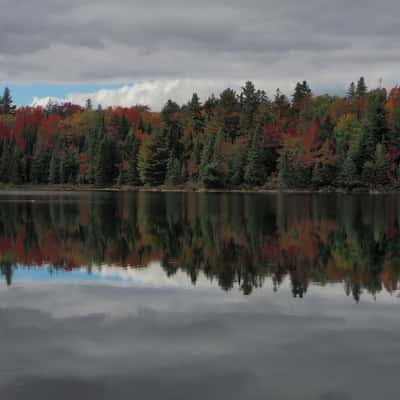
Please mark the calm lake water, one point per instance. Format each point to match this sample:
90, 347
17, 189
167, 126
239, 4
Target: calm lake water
199, 296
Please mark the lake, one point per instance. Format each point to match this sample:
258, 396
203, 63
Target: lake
199, 296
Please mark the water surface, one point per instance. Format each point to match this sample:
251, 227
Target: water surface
173, 295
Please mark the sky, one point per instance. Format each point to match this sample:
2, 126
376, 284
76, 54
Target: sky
127, 51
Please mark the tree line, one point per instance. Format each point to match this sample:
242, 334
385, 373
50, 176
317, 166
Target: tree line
235, 140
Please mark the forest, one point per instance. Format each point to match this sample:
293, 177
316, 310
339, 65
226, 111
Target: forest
245, 140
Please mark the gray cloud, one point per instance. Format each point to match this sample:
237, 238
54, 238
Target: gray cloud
271, 42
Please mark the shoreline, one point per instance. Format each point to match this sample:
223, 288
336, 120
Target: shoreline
188, 189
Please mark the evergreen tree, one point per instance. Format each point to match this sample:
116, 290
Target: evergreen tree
381, 166
40, 165
302, 93
375, 128
249, 101
54, 169
209, 174
89, 104
123, 128
15, 169
235, 173
7, 152
227, 114
361, 89
351, 91
153, 160
107, 160
6, 103
173, 176
133, 173
322, 175
101, 178
196, 117
395, 137
349, 175
368, 173
254, 171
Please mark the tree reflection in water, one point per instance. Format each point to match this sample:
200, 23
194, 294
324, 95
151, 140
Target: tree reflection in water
235, 239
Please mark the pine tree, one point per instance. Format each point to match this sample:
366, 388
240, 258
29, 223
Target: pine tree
209, 174
106, 165
133, 173
6, 103
254, 171
40, 165
249, 102
101, 178
235, 171
322, 175
302, 93
54, 169
15, 169
153, 160
381, 166
349, 176
5, 161
351, 91
196, 117
173, 176
89, 104
376, 116
361, 89
395, 137
368, 173
123, 128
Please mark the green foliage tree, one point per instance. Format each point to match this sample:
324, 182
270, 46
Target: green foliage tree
381, 165
6, 103
349, 176
255, 167
209, 174
351, 92
174, 170
361, 89
107, 160
153, 160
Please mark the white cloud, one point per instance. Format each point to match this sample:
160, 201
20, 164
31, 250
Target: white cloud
152, 93
155, 93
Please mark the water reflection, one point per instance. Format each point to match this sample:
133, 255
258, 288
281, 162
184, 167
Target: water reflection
232, 239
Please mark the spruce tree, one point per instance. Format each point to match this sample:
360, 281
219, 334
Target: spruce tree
302, 93
368, 173
209, 174
395, 137
349, 175
381, 166
235, 171
254, 171
5, 161
173, 176
6, 103
101, 178
351, 91
361, 89
153, 160
15, 170
196, 117
133, 173
54, 169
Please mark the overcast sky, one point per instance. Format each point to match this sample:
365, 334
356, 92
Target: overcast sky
160, 49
